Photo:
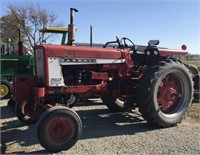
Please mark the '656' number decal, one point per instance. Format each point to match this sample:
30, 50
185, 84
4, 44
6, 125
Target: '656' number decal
56, 80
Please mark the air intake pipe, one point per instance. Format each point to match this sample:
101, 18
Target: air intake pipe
71, 27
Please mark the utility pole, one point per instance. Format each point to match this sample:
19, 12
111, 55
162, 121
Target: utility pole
91, 43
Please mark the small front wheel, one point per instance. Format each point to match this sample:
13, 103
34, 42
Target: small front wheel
59, 128
28, 111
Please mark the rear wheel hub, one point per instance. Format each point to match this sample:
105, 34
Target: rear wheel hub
168, 93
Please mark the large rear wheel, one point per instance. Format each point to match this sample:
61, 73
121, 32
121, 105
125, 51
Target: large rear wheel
165, 93
59, 128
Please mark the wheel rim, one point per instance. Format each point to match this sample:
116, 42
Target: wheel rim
170, 94
60, 129
31, 110
4, 90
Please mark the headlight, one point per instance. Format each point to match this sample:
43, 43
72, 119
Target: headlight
148, 52
155, 52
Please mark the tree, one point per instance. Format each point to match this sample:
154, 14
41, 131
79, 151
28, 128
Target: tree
9, 29
29, 19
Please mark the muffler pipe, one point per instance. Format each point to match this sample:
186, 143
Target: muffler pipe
72, 27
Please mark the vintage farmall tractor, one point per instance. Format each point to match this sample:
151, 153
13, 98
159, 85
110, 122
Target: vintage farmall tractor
125, 77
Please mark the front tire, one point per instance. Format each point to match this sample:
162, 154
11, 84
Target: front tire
165, 93
28, 111
59, 128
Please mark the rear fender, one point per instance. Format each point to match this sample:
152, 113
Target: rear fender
195, 75
193, 69
171, 52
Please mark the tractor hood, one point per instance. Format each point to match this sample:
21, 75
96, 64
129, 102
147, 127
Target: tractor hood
80, 51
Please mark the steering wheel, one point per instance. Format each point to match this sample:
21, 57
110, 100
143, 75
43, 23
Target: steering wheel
114, 42
119, 42
124, 41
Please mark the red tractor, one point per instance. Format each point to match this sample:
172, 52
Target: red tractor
125, 76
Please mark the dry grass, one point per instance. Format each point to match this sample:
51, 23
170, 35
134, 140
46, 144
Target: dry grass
195, 111
194, 62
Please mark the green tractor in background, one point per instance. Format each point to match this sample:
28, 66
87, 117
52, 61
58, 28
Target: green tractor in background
56, 30
13, 65
18, 61
14, 61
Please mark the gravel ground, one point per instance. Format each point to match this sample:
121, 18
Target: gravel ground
106, 133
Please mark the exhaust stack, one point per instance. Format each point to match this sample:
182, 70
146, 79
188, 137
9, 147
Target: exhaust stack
71, 27
20, 46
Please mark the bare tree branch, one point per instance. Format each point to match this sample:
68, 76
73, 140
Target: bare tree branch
29, 19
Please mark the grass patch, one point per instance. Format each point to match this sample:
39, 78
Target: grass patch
195, 111
194, 62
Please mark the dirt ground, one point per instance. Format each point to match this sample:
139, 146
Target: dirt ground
107, 133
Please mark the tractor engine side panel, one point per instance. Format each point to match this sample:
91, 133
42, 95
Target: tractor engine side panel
48, 69
55, 72
55, 69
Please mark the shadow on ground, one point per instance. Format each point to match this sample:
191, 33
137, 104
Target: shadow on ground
96, 123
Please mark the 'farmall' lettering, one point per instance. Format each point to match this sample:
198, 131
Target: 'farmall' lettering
72, 60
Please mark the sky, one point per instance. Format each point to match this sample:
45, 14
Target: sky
173, 22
